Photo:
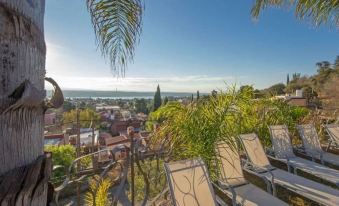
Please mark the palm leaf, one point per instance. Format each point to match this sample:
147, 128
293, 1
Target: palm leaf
117, 26
318, 11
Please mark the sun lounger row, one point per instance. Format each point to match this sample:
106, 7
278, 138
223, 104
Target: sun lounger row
190, 184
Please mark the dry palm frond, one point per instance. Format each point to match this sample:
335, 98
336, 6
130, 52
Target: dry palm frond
117, 25
318, 11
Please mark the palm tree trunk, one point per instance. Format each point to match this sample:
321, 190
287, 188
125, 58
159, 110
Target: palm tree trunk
24, 168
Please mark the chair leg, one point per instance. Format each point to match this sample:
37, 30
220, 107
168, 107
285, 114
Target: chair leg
328, 146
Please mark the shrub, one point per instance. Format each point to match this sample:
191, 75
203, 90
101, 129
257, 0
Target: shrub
64, 155
195, 128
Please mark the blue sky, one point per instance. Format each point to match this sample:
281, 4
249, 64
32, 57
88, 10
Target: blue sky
188, 45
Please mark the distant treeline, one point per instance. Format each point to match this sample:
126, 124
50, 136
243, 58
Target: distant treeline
324, 85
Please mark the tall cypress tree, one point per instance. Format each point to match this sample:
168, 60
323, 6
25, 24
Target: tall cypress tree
157, 99
198, 95
288, 79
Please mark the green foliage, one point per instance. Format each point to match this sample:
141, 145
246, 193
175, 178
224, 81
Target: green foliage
277, 89
62, 155
86, 116
247, 88
117, 25
156, 178
141, 106
195, 128
165, 100
67, 106
98, 191
198, 95
157, 99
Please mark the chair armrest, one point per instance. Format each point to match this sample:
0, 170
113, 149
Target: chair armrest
220, 201
269, 183
230, 188
277, 159
269, 151
320, 155
299, 149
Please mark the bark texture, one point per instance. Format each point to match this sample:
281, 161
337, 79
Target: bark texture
22, 58
26, 185
22, 71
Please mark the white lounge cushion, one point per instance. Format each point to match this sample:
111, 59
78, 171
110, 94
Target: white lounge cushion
316, 169
331, 158
307, 188
250, 195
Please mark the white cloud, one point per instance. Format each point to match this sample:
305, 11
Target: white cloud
202, 83
76, 72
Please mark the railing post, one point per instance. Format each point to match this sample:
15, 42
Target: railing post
78, 153
130, 133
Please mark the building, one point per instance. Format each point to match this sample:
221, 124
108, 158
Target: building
119, 127
56, 139
85, 138
50, 118
295, 100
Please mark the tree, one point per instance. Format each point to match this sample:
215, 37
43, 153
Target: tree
22, 69
296, 76
165, 100
331, 92
258, 94
68, 106
157, 99
318, 11
141, 106
248, 89
288, 79
214, 93
86, 116
276, 89
198, 95
336, 64
309, 93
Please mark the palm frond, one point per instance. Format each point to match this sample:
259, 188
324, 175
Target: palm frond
318, 11
117, 25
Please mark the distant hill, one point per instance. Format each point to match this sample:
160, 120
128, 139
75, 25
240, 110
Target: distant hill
116, 94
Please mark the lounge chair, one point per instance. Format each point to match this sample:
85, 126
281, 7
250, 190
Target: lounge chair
258, 162
231, 178
189, 184
312, 146
333, 132
283, 151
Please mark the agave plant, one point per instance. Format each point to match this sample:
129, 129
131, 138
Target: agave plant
98, 191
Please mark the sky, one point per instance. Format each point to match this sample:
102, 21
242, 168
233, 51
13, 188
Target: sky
188, 45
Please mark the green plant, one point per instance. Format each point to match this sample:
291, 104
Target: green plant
63, 156
98, 191
85, 117
157, 101
194, 129
156, 178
